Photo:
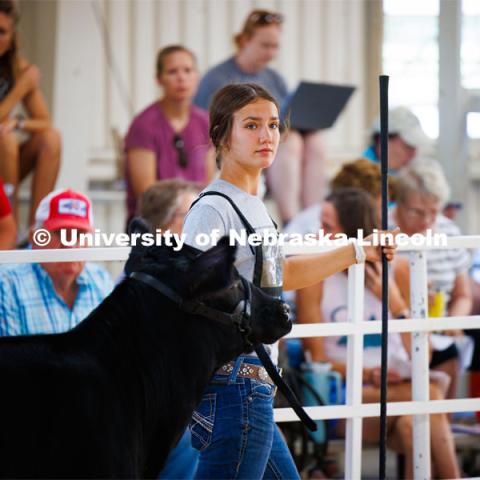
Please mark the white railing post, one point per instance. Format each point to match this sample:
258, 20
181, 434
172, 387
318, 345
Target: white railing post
420, 367
353, 439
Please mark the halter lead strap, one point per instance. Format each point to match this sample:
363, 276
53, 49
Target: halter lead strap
284, 388
242, 310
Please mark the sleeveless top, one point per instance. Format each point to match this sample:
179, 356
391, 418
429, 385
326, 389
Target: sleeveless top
334, 309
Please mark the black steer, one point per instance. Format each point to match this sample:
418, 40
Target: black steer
111, 397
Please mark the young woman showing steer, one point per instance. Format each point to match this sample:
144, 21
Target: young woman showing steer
233, 426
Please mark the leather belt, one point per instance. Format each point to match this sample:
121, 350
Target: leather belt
246, 370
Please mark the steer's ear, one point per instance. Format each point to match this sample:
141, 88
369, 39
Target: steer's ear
213, 270
139, 225
137, 253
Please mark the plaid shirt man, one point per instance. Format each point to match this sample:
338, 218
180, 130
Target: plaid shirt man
29, 303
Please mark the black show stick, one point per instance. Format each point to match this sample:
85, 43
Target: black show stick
384, 365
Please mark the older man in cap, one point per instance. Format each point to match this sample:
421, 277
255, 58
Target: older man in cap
52, 297
405, 138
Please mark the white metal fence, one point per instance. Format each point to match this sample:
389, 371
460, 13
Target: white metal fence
355, 328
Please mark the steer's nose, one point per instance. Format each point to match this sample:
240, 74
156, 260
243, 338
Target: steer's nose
284, 313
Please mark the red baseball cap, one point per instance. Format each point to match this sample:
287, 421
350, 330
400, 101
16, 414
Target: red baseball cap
64, 209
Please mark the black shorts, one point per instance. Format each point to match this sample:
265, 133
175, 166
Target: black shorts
441, 356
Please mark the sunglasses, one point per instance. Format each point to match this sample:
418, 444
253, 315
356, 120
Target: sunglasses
179, 145
266, 18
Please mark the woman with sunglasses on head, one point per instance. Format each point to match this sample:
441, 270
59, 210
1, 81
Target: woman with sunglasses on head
233, 425
28, 142
169, 139
297, 179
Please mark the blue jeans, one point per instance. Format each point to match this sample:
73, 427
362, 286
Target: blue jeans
182, 461
234, 431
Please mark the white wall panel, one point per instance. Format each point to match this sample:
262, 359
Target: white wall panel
266, 4
142, 72
100, 123
288, 62
193, 25
336, 34
72, 105
220, 26
168, 14
239, 12
120, 108
355, 115
311, 29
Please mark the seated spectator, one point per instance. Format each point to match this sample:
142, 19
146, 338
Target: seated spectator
8, 227
344, 211
52, 297
422, 191
169, 139
362, 174
28, 142
405, 138
297, 177
164, 205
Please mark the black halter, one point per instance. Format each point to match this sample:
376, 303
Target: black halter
239, 318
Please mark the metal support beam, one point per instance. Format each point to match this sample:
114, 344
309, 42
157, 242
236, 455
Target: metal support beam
452, 102
72, 108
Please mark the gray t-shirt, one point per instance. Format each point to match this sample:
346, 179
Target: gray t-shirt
229, 72
215, 212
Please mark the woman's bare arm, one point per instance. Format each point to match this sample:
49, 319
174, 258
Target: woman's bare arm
305, 270
38, 116
141, 168
26, 82
8, 232
461, 299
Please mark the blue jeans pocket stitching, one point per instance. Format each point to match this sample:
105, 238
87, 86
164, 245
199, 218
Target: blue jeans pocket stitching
262, 390
202, 422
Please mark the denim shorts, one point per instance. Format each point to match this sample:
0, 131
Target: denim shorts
234, 431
